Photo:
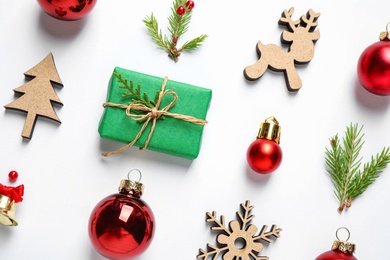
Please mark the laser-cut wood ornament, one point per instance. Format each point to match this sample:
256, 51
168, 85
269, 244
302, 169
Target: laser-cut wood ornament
37, 95
301, 36
239, 240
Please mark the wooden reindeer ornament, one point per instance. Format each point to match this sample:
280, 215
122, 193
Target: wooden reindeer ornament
301, 36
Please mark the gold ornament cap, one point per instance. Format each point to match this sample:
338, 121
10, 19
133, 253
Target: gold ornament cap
134, 188
7, 211
383, 36
343, 246
270, 130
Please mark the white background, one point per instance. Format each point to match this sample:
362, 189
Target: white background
65, 175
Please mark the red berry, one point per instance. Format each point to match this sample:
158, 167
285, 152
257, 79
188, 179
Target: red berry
190, 5
181, 10
13, 175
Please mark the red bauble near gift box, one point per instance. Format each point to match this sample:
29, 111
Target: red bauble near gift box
121, 226
67, 10
264, 155
374, 66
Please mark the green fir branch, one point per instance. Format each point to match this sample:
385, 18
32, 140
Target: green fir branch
194, 43
178, 25
370, 173
343, 165
156, 33
335, 166
135, 94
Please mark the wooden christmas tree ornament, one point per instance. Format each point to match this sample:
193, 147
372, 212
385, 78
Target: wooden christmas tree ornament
38, 95
301, 38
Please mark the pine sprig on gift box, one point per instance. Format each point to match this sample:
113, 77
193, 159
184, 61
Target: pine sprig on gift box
135, 94
179, 22
344, 163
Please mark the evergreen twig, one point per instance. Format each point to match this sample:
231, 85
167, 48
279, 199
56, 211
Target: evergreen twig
178, 25
344, 163
135, 94
156, 33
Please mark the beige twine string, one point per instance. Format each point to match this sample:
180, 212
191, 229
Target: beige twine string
151, 114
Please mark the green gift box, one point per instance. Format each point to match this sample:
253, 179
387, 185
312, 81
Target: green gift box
171, 135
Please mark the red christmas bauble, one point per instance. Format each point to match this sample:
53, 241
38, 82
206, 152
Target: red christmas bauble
264, 156
341, 249
67, 10
121, 226
336, 255
374, 68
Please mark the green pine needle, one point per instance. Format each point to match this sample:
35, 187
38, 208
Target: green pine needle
343, 165
178, 25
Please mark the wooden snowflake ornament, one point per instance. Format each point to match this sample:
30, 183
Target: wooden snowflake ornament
239, 240
38, 94
301, 38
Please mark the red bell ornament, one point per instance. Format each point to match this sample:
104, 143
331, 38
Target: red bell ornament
121, 226
67, 10
374, 66
264, 155
341, 250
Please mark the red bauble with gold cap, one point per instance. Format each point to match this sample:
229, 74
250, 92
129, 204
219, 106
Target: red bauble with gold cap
374, 66
264, 155
341, 250
121, 226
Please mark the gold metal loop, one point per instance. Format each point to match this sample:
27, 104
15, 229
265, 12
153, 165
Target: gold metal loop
139, 172
272, 119
337, 231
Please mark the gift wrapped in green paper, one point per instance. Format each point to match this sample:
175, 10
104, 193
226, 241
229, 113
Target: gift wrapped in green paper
163, 115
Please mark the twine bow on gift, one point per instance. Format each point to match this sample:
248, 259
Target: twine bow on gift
152, 114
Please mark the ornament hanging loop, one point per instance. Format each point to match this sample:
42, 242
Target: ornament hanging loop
139, 173
346, 229
343, 245
129, 187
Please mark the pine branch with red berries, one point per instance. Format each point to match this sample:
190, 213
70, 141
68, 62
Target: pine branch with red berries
179, 21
